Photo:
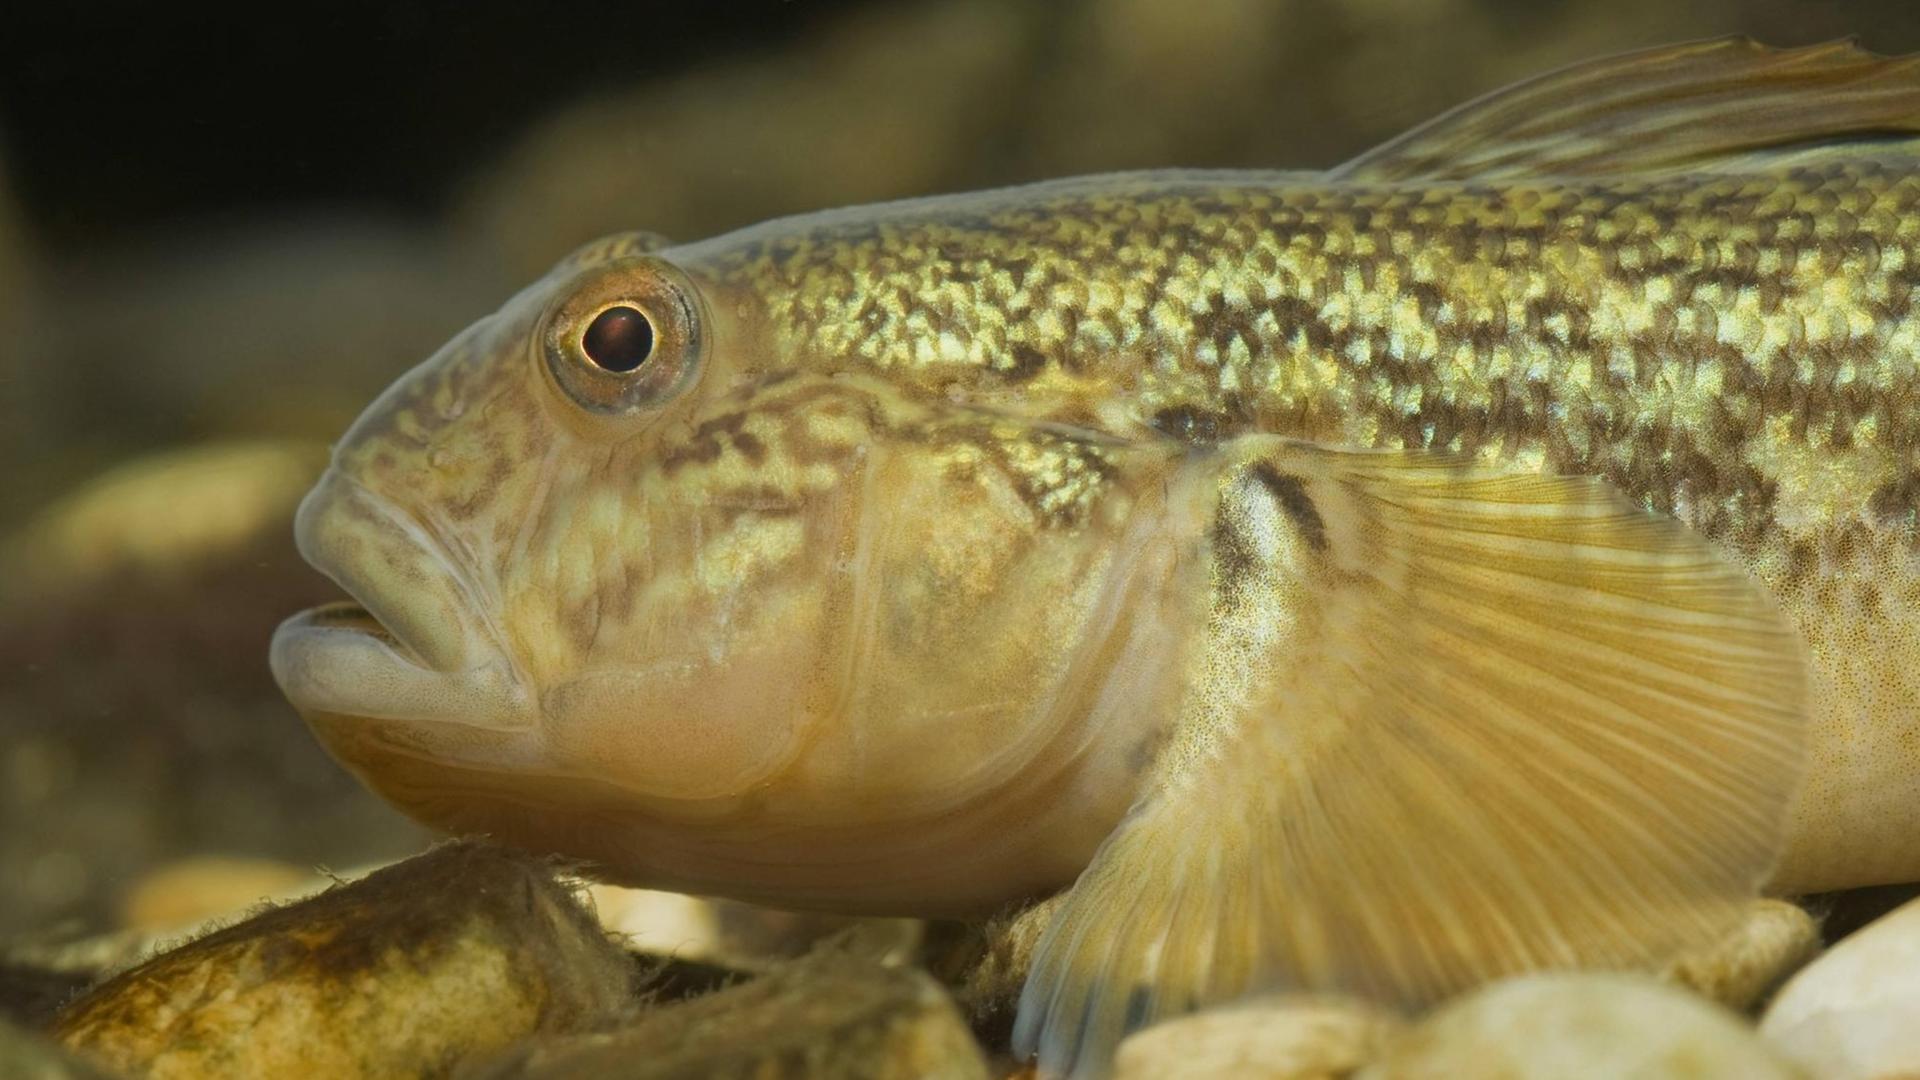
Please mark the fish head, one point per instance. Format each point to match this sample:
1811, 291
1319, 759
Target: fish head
622, 569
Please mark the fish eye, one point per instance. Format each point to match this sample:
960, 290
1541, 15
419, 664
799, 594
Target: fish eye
624, 336
618, 339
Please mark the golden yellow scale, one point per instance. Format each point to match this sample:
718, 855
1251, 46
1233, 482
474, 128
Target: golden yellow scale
1497, 552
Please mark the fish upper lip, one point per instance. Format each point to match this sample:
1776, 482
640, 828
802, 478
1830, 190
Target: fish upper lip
353, 616
411, 647
445, 641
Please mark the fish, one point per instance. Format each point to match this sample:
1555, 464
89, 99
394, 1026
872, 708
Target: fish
1497, 552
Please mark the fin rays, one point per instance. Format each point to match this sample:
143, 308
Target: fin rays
1671, 107
1516, 723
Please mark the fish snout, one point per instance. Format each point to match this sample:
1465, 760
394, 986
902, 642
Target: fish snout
413, 644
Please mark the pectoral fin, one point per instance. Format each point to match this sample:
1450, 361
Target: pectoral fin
1447, 723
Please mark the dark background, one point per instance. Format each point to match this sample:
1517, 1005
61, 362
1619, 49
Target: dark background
118, 117
221, 234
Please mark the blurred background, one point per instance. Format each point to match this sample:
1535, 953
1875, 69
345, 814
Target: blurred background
219, 238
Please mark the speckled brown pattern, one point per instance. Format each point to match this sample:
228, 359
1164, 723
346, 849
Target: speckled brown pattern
1735, 345
1684, 336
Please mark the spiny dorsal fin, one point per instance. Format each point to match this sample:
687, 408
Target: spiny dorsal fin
1665, 108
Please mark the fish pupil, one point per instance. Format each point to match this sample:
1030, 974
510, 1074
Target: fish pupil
618, 339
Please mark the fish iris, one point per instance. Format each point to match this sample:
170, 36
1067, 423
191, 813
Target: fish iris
619, 339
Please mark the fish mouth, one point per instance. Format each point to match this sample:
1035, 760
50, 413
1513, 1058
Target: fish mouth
348, 615
411, 644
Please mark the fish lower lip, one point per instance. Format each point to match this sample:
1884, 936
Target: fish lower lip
351, 615
337, 659
409, 645
406, 592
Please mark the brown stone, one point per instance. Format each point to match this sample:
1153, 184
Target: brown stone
829, 1017
408, 972
988, 967
1284, 1037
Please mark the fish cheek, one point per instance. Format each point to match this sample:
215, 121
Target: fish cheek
697, 734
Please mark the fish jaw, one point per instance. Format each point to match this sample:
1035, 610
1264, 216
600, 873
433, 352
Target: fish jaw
414, 647
764, 701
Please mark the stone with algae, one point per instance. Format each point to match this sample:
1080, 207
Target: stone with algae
827, 1017
409, 972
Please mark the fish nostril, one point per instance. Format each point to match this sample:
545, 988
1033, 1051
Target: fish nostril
619, 339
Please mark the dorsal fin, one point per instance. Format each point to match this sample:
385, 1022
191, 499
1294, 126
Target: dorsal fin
1664, 108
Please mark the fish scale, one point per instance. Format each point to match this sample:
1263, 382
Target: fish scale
1646, 330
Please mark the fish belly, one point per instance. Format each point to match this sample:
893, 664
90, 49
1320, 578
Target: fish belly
1855, 594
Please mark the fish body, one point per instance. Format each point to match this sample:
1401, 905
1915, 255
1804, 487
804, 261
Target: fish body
1498, 552
1735, 347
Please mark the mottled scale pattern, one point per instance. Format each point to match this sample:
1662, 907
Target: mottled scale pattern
1736, 345
1694, 338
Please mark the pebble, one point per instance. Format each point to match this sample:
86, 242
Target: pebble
744, 937
1284, 1037
1854, 1014
409, 972
160, 513
1597, 1026
662, 923
988, 967
188, 892
1775, 939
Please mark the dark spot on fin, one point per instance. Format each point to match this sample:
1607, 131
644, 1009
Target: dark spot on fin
1188, 424
1486, 599
1139, 1008
1140, 756
1233, 555
1288, 490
